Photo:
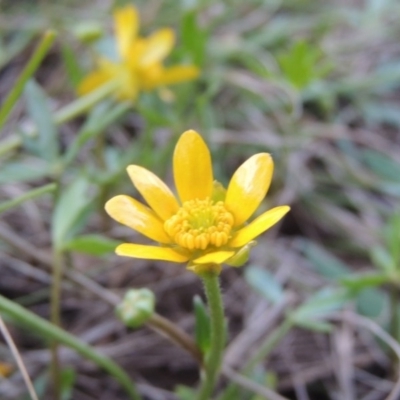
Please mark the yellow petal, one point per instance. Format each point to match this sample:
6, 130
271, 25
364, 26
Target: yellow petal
137, 216
192, 167
93, 81
126, 22
157, 194
150, 252
216, 257
258, 226
248, 186
177, 74
158, 46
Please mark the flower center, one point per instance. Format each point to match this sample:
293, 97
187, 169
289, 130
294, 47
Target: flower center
199, 224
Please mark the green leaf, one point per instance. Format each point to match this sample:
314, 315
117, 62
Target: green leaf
316, 326
372, 302
23, 171
74, 71
320, 305
185, 392
392, 238
323, 262
95, 245
68, 377
70, 209
359, 282
301, 64
46, 143
194, 39
202, 325
264, 283
383, 260
381, 164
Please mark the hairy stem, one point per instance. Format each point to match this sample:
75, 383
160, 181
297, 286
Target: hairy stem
213, 359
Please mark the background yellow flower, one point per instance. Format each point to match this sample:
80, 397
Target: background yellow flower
140, 65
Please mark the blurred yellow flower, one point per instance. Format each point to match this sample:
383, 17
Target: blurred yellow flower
140, 66
207, 226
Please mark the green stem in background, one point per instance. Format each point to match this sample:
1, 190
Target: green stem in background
263, 351
34, 62
55, 318
67, 113
9, 144
85, 103
213, 359
32, 194
49, 331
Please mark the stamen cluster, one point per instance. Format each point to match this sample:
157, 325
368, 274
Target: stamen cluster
199, 224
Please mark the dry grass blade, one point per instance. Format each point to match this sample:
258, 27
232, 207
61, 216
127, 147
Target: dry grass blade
241, 380
18, 359
378, 331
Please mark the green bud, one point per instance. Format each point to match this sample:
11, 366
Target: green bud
88, 31
136, 307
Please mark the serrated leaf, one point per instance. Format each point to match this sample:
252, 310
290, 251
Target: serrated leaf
46, 143
264, 283
95, 245
202, 325
71, 206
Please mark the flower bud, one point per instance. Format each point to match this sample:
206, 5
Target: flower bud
136, 307
88, 31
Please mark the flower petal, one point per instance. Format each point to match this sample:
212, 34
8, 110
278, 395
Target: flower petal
248, 187
258, 226
216, 257
177, 74
157, 194
150, 252
92, 81
126, 22
135, 215
158, 46
192, 167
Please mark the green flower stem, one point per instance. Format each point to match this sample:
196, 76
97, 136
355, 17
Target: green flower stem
32, 194
263, 351
34, 62
82, 104
168, 329
213, 359
49, 331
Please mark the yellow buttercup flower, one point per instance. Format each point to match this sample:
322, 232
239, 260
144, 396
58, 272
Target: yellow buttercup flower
207, 225
140, 66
